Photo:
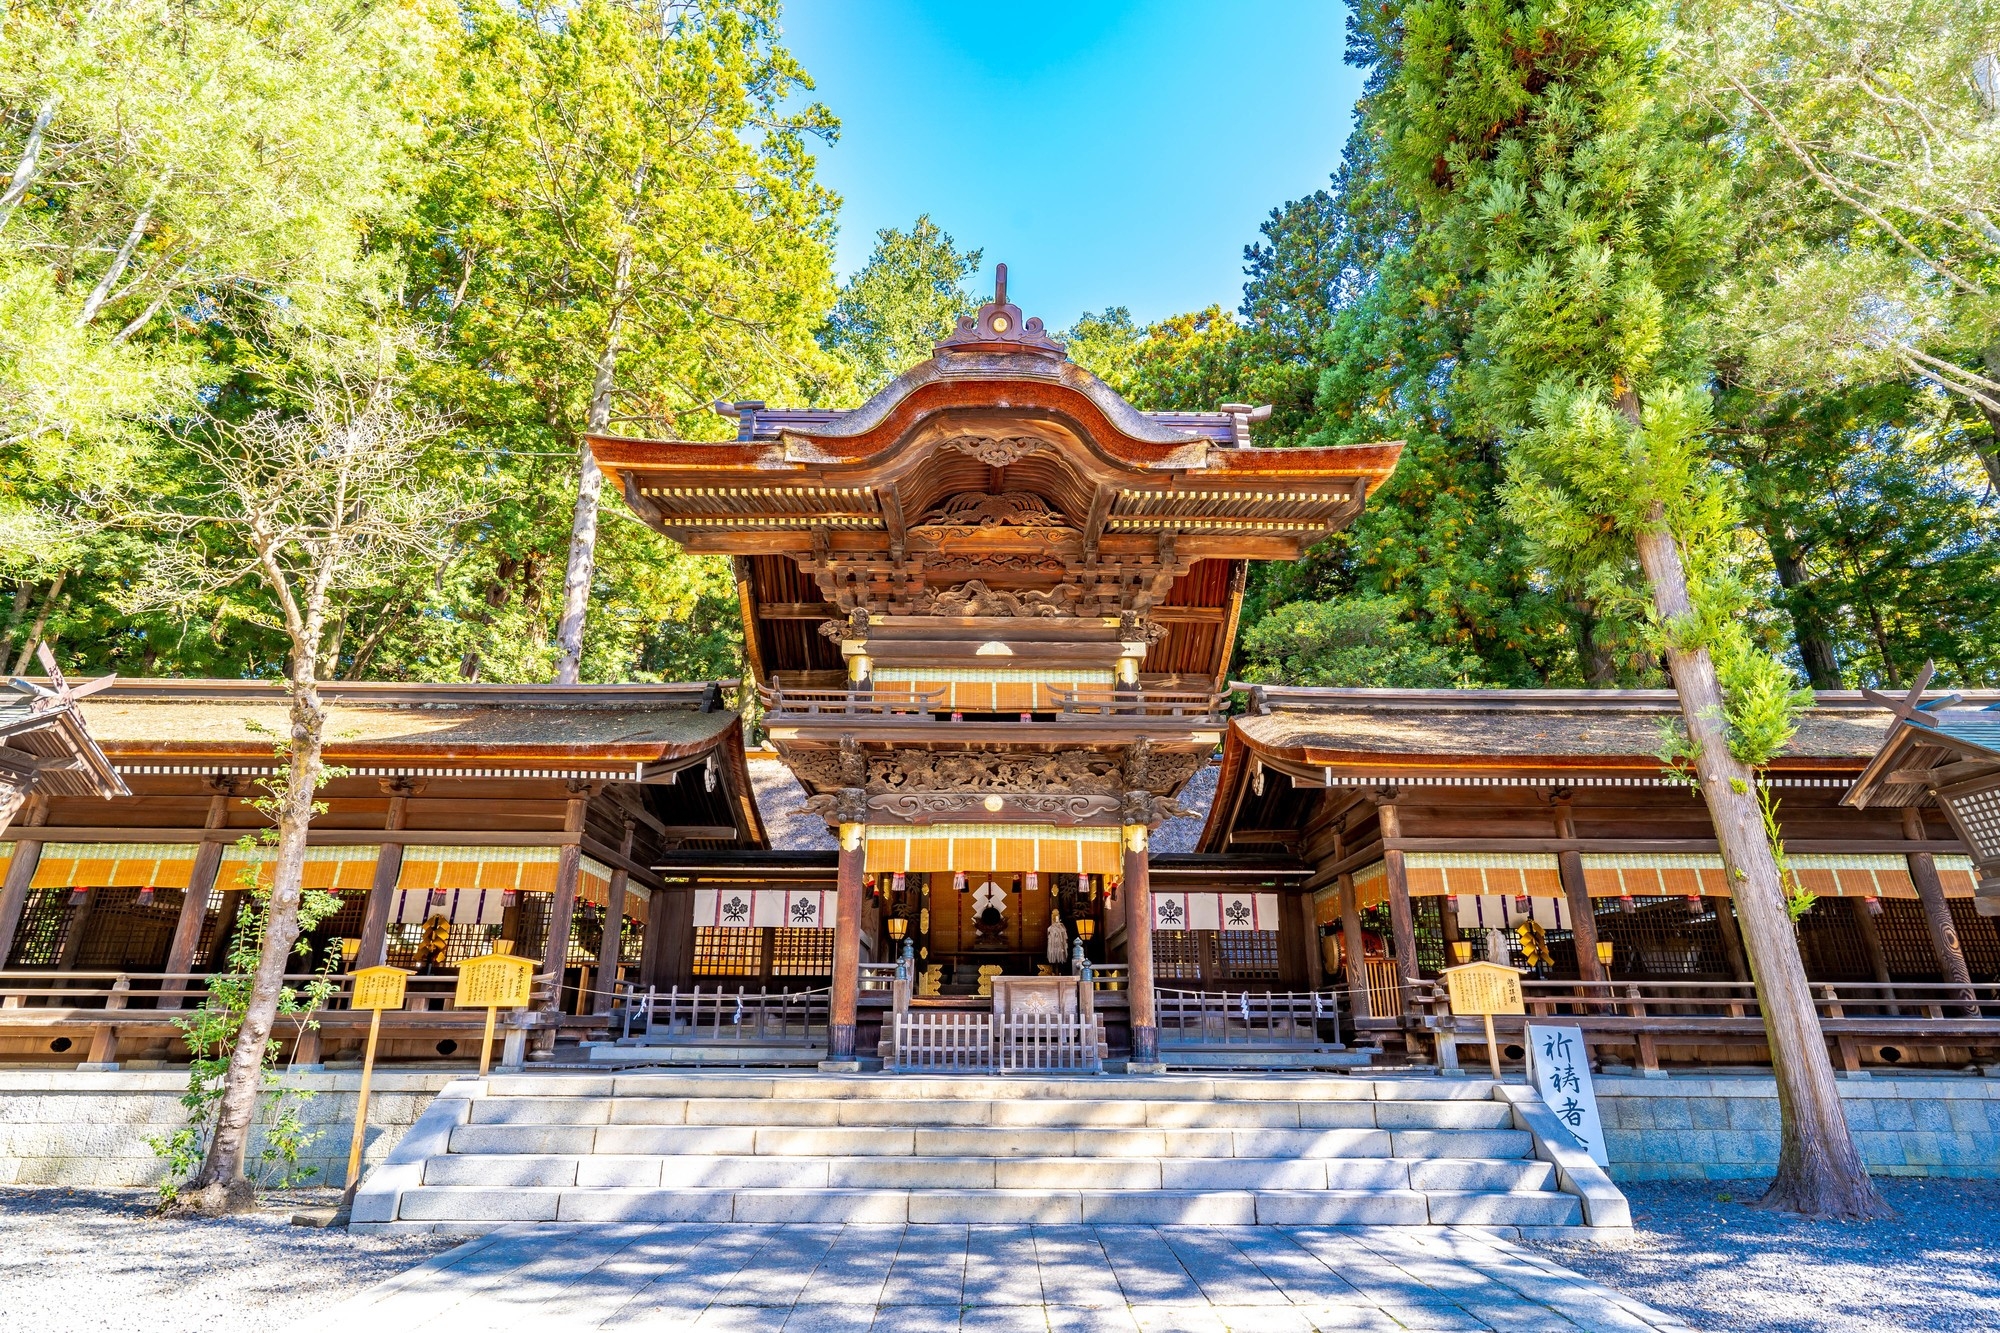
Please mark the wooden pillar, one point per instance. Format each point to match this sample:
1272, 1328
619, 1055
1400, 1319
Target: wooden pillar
194, 901
382, 889
1576, 892
1308, 918
652, 956
20, 874
1139, 950
1937, 913
1401, 921
562, 910
1357, 962
614, 925
1871, 940
846, 947
1732, 939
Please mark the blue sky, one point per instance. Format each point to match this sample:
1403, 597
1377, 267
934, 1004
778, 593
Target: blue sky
1109, 152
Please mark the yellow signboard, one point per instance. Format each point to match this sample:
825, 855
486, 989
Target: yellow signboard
379, 988
1484, 988
495, 981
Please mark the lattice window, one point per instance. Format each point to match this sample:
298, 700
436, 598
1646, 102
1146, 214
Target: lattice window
1244, 955
728, 951
1660, 938
467, 940
632, 944
1831, 944
38, 940
586, 934
801, 953
1427, 916
1176, 955
1978, 939
1906, 938
527, 924
119, 935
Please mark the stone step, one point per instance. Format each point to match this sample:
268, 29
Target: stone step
849, 1141
1077, 1114
497, 1206
1204, 1174
915, 1088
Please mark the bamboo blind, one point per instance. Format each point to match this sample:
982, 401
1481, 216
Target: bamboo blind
994, 689
976, 848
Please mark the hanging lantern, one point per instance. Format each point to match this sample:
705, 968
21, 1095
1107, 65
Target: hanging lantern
509, 897
1873, 904
1521, 904
146, 896
958, 881
77, 896
1625, 903
1694, 904
439, 897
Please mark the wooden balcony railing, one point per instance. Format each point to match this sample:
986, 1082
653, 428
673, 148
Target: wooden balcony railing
1097, 701
1247, 1018
887, 701
28, 995
694, 1015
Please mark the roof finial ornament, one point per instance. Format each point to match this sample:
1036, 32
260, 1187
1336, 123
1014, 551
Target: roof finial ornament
998, 327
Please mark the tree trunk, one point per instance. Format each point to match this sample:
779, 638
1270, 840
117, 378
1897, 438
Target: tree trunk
1808, 626
1989, 453
102, 291
21, 595
590, 479
220, 1186
24, 170
1600, 670
1819, 1169
41, 623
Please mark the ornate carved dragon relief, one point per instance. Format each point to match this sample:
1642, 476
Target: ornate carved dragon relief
855, 627
1072, 772
1058, 807
978, 509
999, 451
974, 598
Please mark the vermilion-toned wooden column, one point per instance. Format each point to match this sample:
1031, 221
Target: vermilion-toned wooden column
1308, 917
1576, 892
1357, 961
1139, 951
562, 908
611, 943
846, 947
382, 889
1937, 912
20, 874
1402, 924
194, 903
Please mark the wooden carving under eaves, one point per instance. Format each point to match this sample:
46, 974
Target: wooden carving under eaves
1071, 772
974, 598
976, 509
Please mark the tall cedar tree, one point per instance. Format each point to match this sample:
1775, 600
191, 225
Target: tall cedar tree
1588, 217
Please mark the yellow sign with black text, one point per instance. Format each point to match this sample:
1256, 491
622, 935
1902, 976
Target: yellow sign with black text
495, 981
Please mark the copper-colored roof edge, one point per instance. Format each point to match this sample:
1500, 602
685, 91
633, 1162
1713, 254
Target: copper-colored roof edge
485, 694
1566, 700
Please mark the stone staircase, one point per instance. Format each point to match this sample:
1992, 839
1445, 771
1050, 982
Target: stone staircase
778, 1147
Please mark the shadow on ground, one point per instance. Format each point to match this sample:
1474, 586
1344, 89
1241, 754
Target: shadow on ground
1699, 1252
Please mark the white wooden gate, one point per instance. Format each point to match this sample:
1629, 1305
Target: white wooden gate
959, 1043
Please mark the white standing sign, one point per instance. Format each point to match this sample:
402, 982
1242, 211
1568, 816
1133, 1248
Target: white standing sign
1559, 1067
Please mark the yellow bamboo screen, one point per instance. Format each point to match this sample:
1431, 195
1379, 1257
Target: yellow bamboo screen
1371, 885
110, 865
993, 689
326, 867
522, 869
1957, 874
1483, 874
994, 847
593, 885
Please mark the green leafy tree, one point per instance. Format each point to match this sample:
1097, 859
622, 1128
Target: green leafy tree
1362, 640
1587, 213
623, 226
906, 298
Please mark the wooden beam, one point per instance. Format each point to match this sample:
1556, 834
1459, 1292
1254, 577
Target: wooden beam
611, 856
314, 837
698, 832
1285, 837
1093, 526
799, 611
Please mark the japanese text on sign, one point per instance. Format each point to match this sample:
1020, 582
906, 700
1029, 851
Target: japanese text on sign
1559, 1066
494, 981
1484, 988
379, 988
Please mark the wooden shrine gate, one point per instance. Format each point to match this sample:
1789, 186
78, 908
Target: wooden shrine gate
1038, 1025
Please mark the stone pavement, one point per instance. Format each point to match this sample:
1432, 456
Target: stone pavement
736, 1278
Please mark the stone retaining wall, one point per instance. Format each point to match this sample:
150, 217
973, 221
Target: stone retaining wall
61, 1127
1725, 1127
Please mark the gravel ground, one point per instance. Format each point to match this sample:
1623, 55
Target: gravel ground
1698, 1252
98, 1261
